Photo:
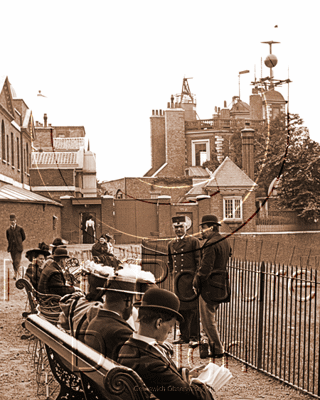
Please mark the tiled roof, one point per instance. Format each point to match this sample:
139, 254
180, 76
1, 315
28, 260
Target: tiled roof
273, 95
228, 174
49, 158
13, 193
197, 171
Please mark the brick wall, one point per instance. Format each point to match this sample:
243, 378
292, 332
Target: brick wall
36, 220
175, 143
158, 150
51, 177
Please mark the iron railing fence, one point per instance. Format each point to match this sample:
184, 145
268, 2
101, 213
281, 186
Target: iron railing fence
272, 321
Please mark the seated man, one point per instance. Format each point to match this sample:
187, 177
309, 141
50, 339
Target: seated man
108, 331
52, 280
143, 352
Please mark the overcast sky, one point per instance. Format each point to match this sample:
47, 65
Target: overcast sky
107, 64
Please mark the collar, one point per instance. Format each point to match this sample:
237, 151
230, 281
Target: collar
146, 339
180, 238
114, 312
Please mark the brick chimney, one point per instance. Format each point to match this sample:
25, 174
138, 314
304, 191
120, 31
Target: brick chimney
247, 137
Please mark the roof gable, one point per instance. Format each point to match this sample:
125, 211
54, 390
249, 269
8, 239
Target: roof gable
228, 174
6, 103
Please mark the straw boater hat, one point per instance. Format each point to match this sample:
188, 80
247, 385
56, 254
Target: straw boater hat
124, 284
42, 249
161, 300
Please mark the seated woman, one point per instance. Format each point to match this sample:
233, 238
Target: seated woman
37, 258
102, 252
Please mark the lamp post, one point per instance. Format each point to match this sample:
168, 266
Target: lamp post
240, 73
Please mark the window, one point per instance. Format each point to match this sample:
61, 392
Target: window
232, 208
12, 149
8, 149
18, 154
27, 151
200, 151
3, 141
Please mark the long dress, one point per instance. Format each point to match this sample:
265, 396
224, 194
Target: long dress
89, 231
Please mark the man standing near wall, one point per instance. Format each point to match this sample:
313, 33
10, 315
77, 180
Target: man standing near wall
15, 236
211, 280
184, 258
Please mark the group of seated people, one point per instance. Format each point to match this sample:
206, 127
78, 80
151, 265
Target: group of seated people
131, 326
121, 321
103, 251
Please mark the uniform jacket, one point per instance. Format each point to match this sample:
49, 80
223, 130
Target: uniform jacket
184, 255
107, 332
159, 374
212, 274
15, 237
52, 280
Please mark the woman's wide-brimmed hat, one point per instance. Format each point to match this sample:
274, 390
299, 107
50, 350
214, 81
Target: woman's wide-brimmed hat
210, 219
42, 249
161, 300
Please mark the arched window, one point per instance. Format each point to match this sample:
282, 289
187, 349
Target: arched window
3, 141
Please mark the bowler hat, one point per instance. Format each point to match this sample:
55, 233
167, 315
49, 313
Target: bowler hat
12, 217
161, 300
61, 253
210, 219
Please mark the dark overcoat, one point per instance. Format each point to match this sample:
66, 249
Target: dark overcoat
52, 280
107, 332
184, 255
15, 237
212, 273
159, 374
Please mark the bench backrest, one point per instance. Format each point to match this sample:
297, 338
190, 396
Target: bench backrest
108, 378
47, 305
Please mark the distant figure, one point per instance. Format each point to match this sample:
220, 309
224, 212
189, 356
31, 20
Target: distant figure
89, 234
15, 236
37, 258
102, 251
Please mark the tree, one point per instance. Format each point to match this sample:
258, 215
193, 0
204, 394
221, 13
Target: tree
299, 186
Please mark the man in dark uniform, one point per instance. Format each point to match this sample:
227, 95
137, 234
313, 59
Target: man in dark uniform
211, 280
184, 258
15, 236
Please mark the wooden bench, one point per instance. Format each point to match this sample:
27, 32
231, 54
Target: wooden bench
83, 373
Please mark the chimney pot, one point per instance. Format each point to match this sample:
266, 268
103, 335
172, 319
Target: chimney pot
225, 104
156, 112
45, 119
152, 112
168, 105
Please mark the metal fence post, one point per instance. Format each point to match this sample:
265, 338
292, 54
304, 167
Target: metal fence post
261, 316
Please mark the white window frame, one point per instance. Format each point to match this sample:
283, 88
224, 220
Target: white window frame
234, 206
193, 149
